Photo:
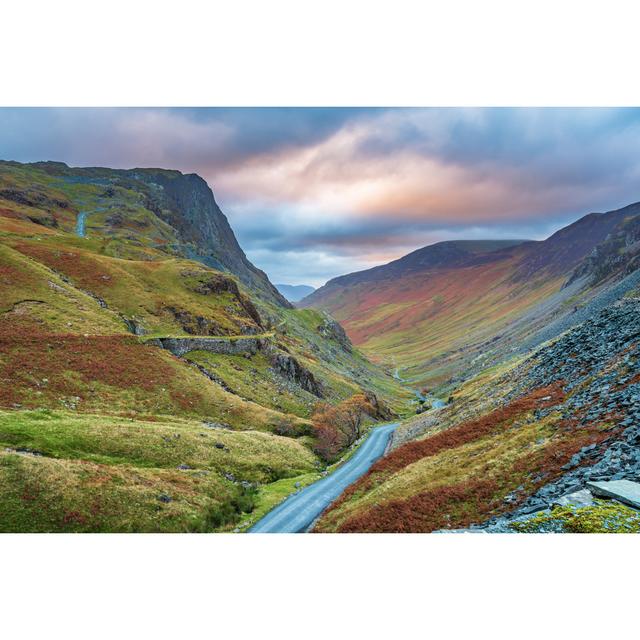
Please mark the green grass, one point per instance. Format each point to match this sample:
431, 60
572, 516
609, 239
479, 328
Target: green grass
253, 378
250, 455
118, 374
31, 294
163, 296
99, 473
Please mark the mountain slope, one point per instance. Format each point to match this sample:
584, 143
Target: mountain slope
453, 306
137, 208
142, 389
516, 439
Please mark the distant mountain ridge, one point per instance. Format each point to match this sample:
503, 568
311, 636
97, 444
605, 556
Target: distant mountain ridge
295, 292
444, 307
449, 253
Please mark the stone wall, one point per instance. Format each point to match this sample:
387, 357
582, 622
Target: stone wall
282, 363
231, 347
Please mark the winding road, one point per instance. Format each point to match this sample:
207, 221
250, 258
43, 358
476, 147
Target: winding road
299, 511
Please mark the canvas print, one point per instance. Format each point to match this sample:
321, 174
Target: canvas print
336, 320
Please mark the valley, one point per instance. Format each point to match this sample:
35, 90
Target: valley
153, 379
459, 306
543, 389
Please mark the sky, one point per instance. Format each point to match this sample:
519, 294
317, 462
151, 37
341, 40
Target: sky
316, 193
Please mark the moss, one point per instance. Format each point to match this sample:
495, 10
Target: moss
603, 517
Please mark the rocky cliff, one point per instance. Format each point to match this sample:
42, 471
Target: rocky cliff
187, 203
618, 254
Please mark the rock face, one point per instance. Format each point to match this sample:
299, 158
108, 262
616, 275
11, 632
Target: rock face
333, 330
291, 369
381, 411
187, 203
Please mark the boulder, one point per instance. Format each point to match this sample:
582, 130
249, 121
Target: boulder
625, 491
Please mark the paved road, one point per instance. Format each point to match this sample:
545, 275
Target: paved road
298, 511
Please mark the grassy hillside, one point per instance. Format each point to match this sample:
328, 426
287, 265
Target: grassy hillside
63, 471
160, 296
101, 429
430, 325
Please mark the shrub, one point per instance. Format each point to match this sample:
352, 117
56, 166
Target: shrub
336, 428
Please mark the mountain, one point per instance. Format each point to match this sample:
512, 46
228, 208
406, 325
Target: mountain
152, 379
456, 307
456, 253
295, 292
153, 208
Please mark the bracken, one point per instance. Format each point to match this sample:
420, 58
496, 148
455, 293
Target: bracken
441, 507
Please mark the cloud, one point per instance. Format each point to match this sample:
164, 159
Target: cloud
202, 140
471, 165
313, 193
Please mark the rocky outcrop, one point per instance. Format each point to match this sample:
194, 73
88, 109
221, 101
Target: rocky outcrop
214, 378
291, 369
617, 255
380, 409
35, 198
206, 283
564, 250
194, 324
332, 330
186, 202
